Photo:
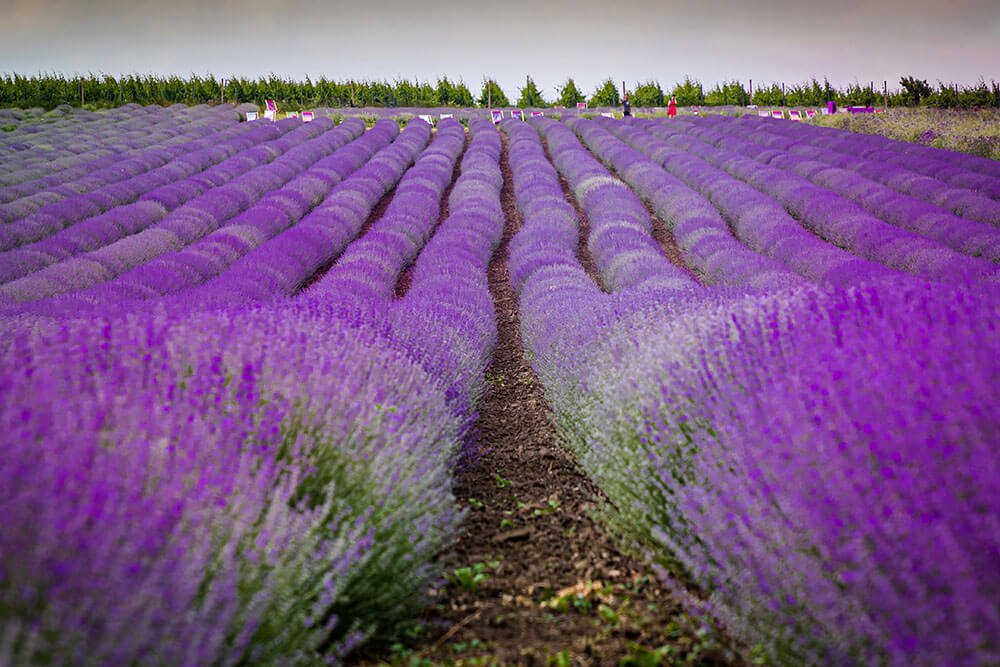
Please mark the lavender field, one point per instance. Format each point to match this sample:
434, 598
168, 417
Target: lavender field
242, 366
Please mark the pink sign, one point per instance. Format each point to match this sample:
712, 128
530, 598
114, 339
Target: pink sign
307, 116
517, 113
536, 114
776, 113
795, 114
497, 115
581, 105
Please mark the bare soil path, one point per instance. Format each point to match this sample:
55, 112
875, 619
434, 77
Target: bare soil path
533, 580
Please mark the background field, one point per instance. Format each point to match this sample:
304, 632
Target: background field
714, 389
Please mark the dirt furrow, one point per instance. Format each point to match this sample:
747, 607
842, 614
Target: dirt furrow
405, 276
533, 579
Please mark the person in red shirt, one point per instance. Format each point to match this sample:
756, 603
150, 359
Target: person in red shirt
672, 108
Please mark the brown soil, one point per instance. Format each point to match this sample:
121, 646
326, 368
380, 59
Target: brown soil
665, 238
555, 589
406, 275
583, 253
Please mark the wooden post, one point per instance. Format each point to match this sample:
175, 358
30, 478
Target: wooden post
885, 95
623, 89
222, 91
750, 93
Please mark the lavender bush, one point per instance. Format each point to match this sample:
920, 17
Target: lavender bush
837, 219
168, 500
801, 456
967, 236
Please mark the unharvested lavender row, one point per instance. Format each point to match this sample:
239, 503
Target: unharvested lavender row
967, 236
35, 150
802, 456
281, 266
238, 188
958, 169
836, 219
39, 150
621, 239
370, 266
127, 152
707, 243
755, 219
282, 496
821, 145
207, 257
86, 222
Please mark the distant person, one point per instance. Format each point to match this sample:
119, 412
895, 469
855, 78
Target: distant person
672, 108
627, 107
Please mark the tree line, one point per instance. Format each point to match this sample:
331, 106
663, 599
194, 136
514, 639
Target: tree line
101, 91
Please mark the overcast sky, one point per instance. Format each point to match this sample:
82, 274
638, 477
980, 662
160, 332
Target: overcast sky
589, 40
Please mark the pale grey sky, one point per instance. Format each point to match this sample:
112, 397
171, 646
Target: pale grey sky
589, 40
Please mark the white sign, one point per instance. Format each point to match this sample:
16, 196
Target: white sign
446, 115
778, 114
607, 114
763, 113
794, 114
307, 116
426, 118
291, 114
251, 115
497, 115
271, 115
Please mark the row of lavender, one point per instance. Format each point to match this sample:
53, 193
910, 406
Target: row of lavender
37, 155
806, 432
211, 461
266, 185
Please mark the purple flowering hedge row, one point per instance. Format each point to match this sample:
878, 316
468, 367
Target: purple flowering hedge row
196, 217
233, 401
85, 222
74, 162
903, 174
818, 459
234, 475
922, 217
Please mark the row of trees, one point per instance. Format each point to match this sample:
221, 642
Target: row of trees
51, 90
